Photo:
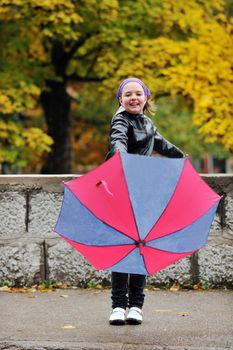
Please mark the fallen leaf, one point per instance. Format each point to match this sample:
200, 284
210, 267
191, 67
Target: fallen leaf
175, 287
19, 290
4, 289
42, 288
61, 285
198, 286
46, 290
68, 326
64, 296
99, 286
184, 313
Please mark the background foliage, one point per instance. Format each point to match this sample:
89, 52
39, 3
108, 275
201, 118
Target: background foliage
62, 60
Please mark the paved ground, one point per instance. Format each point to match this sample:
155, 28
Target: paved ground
78, 319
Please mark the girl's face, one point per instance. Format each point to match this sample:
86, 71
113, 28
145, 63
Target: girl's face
133, 98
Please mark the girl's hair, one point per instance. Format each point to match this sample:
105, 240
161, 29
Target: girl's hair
150, 107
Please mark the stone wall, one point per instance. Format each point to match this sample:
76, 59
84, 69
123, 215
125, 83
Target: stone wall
30, 252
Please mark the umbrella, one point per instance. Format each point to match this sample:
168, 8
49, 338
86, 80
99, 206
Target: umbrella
137, 214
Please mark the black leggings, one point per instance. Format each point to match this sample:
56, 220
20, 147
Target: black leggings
127, 290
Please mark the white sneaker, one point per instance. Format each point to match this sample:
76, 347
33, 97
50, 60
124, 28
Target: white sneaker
118, 316
134, 315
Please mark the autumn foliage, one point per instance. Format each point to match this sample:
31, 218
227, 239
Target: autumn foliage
179, 48
190, 55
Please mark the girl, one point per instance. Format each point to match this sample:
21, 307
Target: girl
133, 132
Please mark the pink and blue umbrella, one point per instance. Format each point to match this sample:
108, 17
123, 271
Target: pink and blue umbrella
137, 214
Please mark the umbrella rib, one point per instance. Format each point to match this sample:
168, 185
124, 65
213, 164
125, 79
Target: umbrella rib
168, 251
98, 246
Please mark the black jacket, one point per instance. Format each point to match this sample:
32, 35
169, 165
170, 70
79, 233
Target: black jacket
137, 134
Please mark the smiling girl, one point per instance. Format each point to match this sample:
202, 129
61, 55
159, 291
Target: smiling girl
133, 132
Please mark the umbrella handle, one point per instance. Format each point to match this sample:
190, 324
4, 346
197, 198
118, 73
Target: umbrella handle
104, 183
140, 246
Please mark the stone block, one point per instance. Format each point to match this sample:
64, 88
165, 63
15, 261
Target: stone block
12, 213
43, 213
229, 215
216, 266
179, 272
67, 265
20, 263
216, 224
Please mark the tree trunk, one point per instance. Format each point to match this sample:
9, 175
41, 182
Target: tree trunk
56, 105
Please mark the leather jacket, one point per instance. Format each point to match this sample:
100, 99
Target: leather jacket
136, 134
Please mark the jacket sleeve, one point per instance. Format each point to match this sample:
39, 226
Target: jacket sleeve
164, 147
118, 136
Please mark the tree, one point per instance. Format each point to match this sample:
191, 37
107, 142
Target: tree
190, 55
175, 113
55, 42
20, 142
20, 146
177, 47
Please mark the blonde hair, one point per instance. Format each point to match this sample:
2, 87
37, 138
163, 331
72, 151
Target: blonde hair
150, 107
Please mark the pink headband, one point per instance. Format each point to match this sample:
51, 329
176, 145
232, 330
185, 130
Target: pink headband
136, 80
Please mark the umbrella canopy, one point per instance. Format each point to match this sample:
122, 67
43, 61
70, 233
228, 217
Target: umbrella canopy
137, 214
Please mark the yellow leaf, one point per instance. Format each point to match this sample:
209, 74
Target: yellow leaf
184, 314
175, 287
69, 326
